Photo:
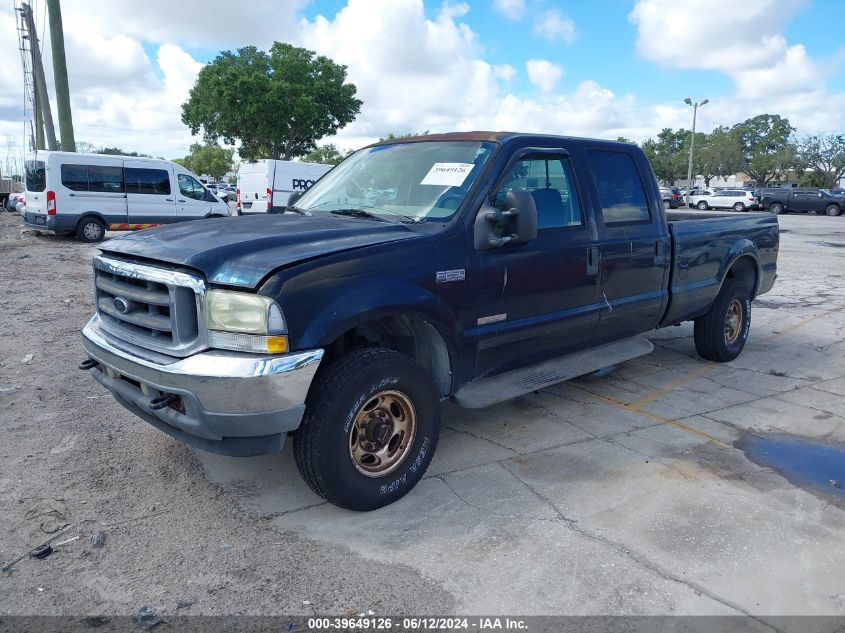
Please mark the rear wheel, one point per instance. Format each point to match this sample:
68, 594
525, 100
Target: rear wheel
91, 229
739, 207
720, 335
776, 208
667, 204
702, 206
371, 425
832, 210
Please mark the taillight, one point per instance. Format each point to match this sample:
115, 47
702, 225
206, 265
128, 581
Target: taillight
269, 198
238, 194
51, 203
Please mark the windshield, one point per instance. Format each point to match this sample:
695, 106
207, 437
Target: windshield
405, 182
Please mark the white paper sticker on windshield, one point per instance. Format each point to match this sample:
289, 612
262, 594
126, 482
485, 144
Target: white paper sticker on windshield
447, 174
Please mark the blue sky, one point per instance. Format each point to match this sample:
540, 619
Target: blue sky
604, 47
605, 68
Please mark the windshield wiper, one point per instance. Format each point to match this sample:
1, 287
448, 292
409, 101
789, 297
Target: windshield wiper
357, 213
298, 210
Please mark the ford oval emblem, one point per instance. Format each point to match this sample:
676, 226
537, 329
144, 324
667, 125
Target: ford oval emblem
121, 305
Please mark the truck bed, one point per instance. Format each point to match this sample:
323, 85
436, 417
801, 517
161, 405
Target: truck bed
704, 245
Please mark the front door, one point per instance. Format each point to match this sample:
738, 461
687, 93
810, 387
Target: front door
633, 245
537, 300
192, 199
149, 194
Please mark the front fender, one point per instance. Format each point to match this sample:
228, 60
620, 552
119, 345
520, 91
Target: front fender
353, 308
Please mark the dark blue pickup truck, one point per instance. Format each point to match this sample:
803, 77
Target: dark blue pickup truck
471, 266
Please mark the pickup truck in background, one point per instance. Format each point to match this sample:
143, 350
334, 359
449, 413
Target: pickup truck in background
473, 266
800, 200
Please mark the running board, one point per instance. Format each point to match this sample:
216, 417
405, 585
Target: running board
486, 391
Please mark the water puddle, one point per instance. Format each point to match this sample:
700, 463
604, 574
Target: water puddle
829, 244
819, 466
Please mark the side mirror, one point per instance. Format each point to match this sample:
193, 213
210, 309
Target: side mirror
820, 194
293, 197
517, 225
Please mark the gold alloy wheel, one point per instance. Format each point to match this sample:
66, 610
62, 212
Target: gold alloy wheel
733, 322
382, 433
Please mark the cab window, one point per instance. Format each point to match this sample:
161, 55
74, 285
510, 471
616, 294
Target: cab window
191, 187
548, 178
620, 188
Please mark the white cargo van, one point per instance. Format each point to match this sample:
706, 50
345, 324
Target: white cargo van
265, 185
87, 194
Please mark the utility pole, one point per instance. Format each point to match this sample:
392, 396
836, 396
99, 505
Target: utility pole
57, 42
40, 82
695, 107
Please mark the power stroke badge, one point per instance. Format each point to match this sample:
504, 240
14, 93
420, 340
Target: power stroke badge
446, 276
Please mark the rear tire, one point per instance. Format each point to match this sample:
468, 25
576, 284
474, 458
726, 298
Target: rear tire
832, 210
371, 425
91, 230
739, 207
776, 208
720, 335
702, 206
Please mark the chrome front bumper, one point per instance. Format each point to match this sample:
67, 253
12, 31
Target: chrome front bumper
224, 402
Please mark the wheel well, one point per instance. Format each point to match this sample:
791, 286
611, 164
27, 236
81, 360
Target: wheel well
91, 214
407, 334
745, 269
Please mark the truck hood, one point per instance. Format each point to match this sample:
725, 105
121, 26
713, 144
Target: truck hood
242, 251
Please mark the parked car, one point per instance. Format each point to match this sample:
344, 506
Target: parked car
264, 186
11, 202
86, 194
672, 198
838, 191
801, 200
503, 264
735, 199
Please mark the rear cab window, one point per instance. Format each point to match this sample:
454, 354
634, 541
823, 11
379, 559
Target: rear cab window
622, 196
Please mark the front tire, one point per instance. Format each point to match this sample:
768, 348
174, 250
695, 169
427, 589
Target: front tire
91, 230
720, 334
371, 425
832, 210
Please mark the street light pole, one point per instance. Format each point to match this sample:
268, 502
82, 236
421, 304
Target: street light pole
695, 107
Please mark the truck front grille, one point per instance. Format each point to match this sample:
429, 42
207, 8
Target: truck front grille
151, 307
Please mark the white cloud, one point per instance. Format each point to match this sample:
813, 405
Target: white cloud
511, 9
505, 72
543, 73
553, 25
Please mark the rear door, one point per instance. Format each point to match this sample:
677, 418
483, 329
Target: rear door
253, 181
633, 245
541, 299
192, 199
807, 200
149, 193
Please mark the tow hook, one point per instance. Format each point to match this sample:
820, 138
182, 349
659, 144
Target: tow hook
162, 401
88, 363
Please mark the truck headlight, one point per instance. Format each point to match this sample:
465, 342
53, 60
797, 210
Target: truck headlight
245, 322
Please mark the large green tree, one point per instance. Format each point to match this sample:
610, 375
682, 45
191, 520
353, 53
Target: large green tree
667, 155
718, 154
768, 150
326, 154
277, 104
825, 155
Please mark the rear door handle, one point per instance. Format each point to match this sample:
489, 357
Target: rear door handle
181, 200
593, 260
168, 199
659, 253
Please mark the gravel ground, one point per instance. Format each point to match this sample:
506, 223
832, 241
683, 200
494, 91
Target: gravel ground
173, 540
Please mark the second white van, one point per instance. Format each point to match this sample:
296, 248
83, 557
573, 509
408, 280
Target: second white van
264, 186
87, 194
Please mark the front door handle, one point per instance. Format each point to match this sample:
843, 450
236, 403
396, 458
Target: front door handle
181, 200
593, 260
168, 199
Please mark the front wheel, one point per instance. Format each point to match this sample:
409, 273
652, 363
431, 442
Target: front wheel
372, 421
720, 334
832, 210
